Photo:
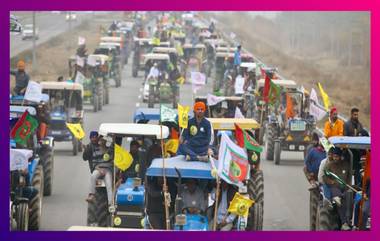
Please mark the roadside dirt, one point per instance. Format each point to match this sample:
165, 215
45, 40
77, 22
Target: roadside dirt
346, 87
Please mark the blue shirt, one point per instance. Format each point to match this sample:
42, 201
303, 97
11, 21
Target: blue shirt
237, 58
198, 135
313, 159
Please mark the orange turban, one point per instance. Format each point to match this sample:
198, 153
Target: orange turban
199, 105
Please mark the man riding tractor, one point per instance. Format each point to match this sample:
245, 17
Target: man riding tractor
66, 107
142, 46
84, 74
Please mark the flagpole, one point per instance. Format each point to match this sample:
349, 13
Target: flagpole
164, 187
216, 202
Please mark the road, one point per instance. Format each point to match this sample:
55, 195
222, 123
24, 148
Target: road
49, 25
286, 196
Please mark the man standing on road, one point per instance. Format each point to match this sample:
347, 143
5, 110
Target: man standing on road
22, 78
196, 138
333, 126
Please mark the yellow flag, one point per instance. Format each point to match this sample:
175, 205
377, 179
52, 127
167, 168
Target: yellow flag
76, 130
123, 159
171, 146
325, 98
181, 80
183, 115
240, 205
156, 41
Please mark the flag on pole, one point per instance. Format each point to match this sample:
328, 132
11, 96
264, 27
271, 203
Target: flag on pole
240, 205
171, 146
325, 97
24, 128
313, 96
167, 114
76, 129
314, 110
198, 80
183, 115
123, 159
79, 78
245, 139
213, 99
33, 92
81, 40
233, 162
274, 93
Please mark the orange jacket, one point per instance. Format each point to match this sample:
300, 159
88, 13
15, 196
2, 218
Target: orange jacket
334, 129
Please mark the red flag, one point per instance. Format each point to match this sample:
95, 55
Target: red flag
239, 136
266, 88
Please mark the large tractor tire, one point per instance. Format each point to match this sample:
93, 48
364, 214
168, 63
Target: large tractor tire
100, 95
22, 216
277, 152
36, 203
255, 218
256, 192
95, 103
47, 161
75, 146
106, 95
269, 143
102, 213
135, 71
327, 219
151, 98
313, 208
91, 214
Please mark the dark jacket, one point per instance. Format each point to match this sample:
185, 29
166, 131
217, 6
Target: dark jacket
352, 128
198, 136
92, 154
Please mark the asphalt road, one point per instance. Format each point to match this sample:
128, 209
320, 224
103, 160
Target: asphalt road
286, 196
49, 25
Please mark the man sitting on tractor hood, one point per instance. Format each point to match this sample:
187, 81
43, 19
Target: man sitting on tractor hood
197, 136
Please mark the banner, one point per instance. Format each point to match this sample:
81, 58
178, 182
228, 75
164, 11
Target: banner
167, 114
123, 159
33, 92
213, 99
233, 162
183, 115
240, 205
24, 128
19, 159
76, 130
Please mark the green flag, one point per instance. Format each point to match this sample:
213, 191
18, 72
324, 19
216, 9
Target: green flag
274, 93
24, 128
250, 143
167, 114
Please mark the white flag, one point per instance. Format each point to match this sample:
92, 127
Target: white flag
198, 78
316, 111
81, 40
213, 99
232, 35
19, 159
238, 113
313, 96
33, 92
79, 78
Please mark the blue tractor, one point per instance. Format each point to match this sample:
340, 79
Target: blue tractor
176, 169
323, 211
27, 177
43, 143
66, 107
127, 207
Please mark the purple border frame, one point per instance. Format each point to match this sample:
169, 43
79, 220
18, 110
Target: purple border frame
221, 5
